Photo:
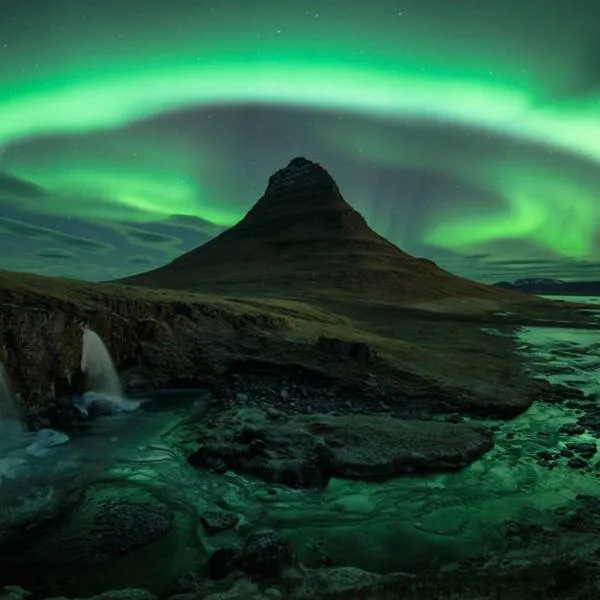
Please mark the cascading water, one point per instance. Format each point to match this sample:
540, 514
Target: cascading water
98, 366
102, 378
10, 418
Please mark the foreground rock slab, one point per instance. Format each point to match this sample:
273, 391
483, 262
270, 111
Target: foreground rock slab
110, 534
305, 451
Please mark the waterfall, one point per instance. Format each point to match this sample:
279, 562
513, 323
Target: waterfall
10, 417
98, 367
105, 392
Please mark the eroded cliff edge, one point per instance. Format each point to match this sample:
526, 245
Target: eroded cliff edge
167, 340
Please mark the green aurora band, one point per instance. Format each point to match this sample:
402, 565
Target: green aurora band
555, 205
106, 102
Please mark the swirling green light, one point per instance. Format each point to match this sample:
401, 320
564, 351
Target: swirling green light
104, 102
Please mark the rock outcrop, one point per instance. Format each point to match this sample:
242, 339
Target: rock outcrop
156, 341
100, 537
306, 451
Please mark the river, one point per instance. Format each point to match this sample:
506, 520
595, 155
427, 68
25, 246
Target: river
404, 523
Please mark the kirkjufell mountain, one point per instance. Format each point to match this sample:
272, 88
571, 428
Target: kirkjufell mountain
303, 238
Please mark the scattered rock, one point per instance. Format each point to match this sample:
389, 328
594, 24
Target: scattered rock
521, 534
577, 463
217, 520
240, 589
591, 421
547, 459
14, 592
266, 554
572, 429
584, 449
186, 596
545, 455
586, 517
343, 582
215, 464
558, 394
188, 583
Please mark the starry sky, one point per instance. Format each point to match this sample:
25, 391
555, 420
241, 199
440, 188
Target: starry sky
467, 131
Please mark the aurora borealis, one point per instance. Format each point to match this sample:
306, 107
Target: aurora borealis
467, 131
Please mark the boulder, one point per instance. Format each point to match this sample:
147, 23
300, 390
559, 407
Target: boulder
217, 520
266, 554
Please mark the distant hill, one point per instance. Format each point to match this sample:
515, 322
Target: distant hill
303, 239
552, 286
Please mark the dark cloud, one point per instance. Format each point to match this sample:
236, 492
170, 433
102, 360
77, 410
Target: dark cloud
35, 232
520, 262
53, 253
591, 268
507, 270
150, 237
15, 187
194, 223
477, 256
71, 269
140, 260
172, 235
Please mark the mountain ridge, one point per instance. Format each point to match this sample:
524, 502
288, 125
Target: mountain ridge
549, 286
302, 237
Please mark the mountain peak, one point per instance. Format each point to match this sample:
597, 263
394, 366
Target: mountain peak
302, 238
302, 182
300, 169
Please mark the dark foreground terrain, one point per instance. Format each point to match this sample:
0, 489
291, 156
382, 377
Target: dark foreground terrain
435, 357
302, 391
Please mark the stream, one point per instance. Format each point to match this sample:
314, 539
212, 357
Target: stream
400, 524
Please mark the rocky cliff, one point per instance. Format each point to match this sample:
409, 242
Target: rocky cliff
402, 361
156, 340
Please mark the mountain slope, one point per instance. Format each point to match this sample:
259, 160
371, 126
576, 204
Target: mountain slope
303, 238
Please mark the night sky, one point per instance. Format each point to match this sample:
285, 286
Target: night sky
467, 131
